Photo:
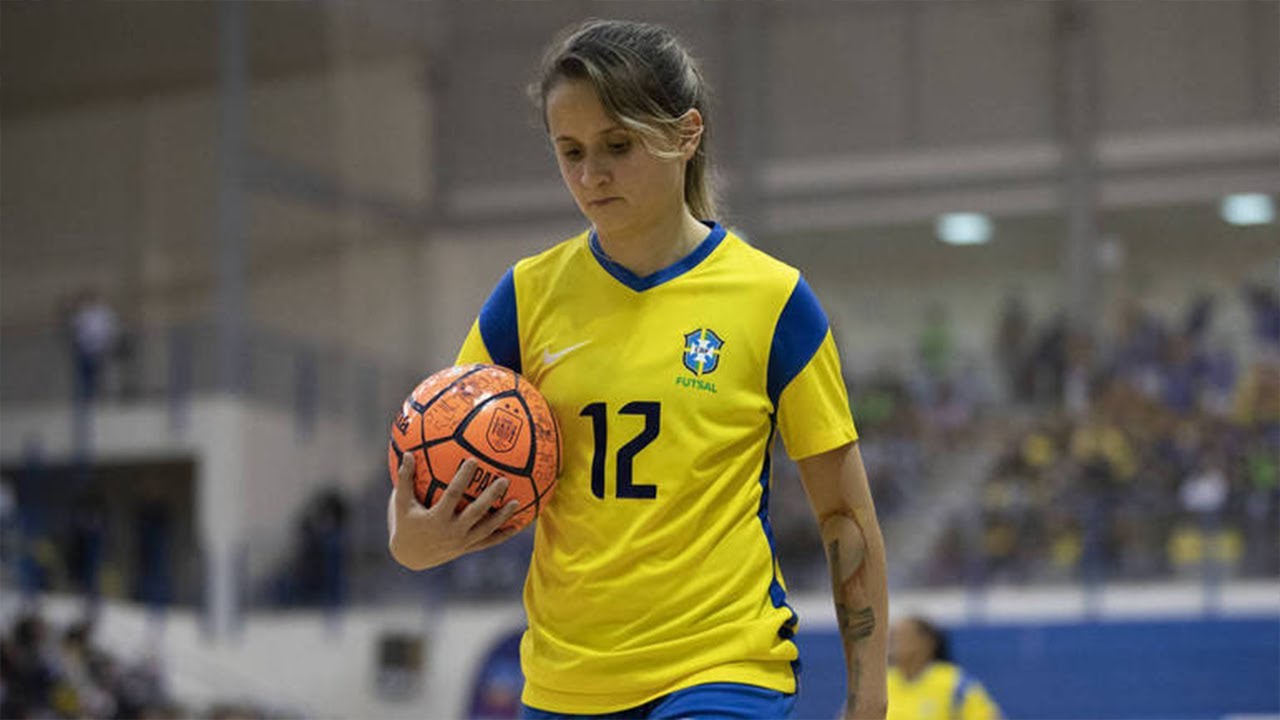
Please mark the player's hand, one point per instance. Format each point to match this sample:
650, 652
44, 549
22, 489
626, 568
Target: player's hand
423, 537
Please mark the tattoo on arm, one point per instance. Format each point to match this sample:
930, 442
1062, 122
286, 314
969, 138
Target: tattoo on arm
855, 618
858, 625
854, 624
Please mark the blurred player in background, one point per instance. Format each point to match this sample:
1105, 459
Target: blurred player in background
924, 684
671, 351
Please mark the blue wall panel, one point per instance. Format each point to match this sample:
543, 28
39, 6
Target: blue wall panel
1098, 670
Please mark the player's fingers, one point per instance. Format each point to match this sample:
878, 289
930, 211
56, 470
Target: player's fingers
453, 494
496, 537
494, 520
405, 498
478, 509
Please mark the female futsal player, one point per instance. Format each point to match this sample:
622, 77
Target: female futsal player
671, 352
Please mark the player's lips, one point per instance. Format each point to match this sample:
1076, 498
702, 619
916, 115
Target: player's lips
602, 201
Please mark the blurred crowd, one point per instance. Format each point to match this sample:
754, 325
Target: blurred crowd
1155, 455
50, 672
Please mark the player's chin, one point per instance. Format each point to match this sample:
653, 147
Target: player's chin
606, 218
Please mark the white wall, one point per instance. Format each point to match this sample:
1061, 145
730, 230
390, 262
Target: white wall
254, 469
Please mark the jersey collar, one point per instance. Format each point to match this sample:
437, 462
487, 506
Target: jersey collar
671, 272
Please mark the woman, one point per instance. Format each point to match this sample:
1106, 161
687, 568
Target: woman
924, 684
671, 351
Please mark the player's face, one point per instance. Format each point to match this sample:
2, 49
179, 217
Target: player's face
906, 642
616, 183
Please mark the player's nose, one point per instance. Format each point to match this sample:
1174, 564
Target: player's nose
595, 172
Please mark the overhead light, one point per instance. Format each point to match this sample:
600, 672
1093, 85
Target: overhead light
1248, 209
963, 228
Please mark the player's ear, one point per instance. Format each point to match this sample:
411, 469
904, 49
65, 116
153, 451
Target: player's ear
691, 127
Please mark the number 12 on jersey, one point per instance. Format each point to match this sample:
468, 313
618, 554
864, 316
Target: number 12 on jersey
599, 414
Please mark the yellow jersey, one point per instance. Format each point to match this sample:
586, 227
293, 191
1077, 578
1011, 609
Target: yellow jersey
942, 691
653, 566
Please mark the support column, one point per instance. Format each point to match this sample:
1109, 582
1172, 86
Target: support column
1078, 111
221, 476
232, 222
747, 147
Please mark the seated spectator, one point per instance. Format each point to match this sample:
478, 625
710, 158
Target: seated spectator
924, 684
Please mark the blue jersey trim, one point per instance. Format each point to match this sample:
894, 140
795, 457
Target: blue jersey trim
499, 326
682, 266
962, 688
801, 328
777, 595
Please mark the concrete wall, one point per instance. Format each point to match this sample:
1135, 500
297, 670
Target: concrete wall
122, 196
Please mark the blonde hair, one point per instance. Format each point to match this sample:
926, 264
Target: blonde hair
645, 80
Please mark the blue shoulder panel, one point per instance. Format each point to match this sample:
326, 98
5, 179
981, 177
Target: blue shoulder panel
498, 324
799, 333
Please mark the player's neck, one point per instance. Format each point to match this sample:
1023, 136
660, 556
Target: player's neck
649, 248
913, 670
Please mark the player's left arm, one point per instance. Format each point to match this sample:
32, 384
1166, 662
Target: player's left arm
836, 483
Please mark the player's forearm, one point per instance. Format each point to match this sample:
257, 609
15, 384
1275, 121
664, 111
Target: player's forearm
855, 555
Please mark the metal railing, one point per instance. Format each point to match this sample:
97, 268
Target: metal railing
171, 363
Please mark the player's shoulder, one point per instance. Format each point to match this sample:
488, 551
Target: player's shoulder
765, 269
943, 673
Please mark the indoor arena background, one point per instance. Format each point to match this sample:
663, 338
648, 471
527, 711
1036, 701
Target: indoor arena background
234, 236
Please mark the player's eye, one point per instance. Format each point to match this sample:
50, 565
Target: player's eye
571, 154
620, 148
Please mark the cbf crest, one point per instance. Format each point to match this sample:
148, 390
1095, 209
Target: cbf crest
702, 351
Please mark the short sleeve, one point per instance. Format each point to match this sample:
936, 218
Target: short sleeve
495, 335
805, 382
813, 412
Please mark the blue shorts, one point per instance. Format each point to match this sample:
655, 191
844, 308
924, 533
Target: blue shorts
713, 700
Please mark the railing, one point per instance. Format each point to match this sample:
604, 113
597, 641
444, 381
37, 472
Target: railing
171, 363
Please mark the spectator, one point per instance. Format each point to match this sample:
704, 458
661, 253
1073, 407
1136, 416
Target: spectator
86, 546
95, 332
81, 693
154, 532
935, 343
924, 684
1010, 345
1078, 372
1264, 306
1048, 362
28, 670
1199, 317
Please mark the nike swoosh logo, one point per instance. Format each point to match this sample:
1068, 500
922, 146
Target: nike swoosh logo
549, 358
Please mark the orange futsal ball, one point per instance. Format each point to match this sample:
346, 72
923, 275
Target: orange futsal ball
487, 412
